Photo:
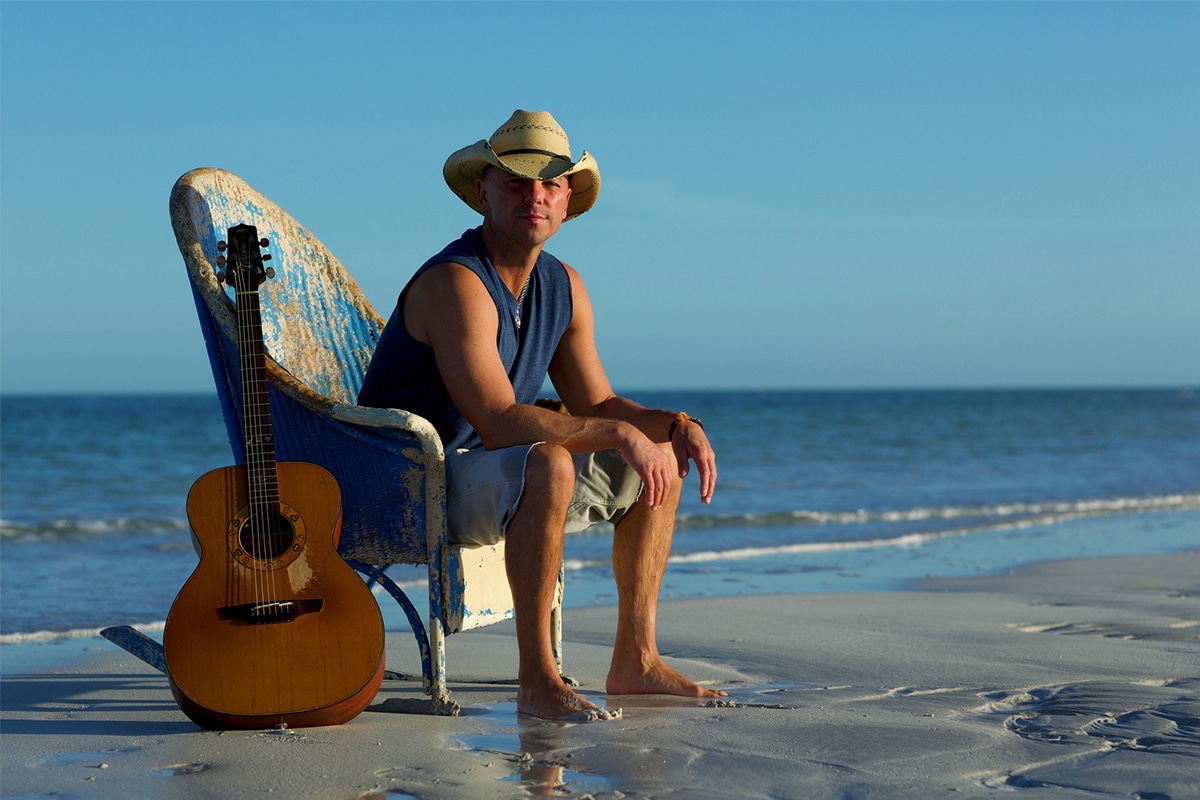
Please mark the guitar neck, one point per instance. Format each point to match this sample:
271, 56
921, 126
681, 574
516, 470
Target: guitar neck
245, 264
257, 431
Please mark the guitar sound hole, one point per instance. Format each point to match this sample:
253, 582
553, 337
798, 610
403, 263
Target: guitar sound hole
267, 536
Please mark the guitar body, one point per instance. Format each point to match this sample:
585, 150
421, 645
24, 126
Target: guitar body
273, 627
278, 632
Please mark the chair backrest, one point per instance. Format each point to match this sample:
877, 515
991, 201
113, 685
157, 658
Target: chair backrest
317, 324
320, 332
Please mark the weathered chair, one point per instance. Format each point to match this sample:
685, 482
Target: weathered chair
319, 332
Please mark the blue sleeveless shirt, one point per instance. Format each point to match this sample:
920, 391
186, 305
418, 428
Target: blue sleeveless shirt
404, 374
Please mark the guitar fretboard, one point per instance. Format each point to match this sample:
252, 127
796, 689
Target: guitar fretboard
259, 437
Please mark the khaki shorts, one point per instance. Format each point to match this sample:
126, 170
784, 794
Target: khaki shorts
483, 489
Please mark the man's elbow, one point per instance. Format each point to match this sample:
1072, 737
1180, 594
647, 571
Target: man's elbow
491, 437
606, 407
500, 429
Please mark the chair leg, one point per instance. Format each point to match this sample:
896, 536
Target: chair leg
435, 686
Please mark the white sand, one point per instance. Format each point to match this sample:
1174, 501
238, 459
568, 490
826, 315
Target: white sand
1074, 679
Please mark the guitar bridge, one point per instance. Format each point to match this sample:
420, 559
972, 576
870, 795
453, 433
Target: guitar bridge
269, 613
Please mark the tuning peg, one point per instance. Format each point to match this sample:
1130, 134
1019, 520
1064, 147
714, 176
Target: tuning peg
220, 261
270, 272
220, 276
221, 246
266, 257
265, 242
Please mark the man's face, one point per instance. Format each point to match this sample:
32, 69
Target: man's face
523, 209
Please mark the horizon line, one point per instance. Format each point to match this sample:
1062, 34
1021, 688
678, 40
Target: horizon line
1113, 387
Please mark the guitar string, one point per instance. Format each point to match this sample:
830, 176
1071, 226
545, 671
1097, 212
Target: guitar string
266, 461
258, 502
248, 432
268, 490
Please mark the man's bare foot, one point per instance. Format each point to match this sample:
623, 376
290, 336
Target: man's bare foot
555, 701
657, 678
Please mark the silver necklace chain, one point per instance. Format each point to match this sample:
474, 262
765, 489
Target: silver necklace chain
521, 300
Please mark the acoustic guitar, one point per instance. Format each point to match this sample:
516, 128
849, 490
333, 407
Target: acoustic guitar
272, 628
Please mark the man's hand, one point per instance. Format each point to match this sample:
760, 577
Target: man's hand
691, 444
651, 464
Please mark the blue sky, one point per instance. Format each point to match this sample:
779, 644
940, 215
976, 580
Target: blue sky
799, 195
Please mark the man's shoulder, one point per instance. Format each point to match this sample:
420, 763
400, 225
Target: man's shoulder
445, 278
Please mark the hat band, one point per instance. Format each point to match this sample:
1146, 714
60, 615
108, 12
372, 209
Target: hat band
532, 152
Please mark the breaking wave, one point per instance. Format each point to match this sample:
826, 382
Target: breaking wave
979, 519
1068, 509
69, 528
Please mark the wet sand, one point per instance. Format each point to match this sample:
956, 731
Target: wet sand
1064, 679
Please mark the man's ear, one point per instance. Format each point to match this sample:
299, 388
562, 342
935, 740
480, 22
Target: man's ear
481, 193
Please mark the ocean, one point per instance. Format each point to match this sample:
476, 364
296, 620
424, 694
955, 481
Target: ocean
817, 492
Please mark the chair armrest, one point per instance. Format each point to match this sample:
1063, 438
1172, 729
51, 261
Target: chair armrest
369, 417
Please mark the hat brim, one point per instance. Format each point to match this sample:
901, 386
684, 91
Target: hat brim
464, 167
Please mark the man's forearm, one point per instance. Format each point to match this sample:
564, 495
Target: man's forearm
580, 433
654, 423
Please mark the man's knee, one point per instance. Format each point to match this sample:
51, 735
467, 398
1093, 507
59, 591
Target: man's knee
550, 471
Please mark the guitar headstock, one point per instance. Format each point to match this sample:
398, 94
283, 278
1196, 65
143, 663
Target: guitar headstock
243, 267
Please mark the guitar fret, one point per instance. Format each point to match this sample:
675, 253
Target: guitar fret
258, 435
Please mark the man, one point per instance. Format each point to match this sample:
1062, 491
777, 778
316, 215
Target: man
473, 336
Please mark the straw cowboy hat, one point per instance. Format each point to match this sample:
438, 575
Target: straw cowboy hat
531, 144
